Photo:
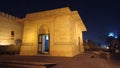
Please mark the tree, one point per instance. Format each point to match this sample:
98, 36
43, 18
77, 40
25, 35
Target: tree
114, 43
90, 45
109, 40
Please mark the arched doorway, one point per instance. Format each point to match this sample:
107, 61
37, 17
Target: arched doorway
43, 40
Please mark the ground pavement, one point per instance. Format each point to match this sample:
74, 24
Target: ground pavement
79, 61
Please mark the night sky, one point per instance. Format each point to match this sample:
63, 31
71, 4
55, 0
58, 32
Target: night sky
99, 16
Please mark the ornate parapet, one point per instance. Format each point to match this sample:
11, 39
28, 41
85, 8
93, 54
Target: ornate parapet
6, 15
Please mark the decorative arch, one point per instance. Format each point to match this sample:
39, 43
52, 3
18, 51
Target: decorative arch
43, 29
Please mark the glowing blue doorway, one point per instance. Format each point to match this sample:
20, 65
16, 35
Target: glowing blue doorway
46, 42
43, 43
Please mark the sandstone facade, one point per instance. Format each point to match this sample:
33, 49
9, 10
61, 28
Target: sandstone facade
10, 29
61, 27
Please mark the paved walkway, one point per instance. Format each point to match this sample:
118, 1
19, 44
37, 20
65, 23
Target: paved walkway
79, 61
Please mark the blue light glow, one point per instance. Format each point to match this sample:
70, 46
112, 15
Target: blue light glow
47, 37
111, 34
116, 36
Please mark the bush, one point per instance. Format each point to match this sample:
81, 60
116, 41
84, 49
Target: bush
11, 49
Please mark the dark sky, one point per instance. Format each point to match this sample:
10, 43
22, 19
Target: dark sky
99, 16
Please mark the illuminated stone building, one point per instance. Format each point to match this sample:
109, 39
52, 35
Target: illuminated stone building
10, 29
56, 32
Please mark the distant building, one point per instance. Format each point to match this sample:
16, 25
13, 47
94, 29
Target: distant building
56, 32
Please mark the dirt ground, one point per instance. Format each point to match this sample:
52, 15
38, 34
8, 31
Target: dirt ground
80, 61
